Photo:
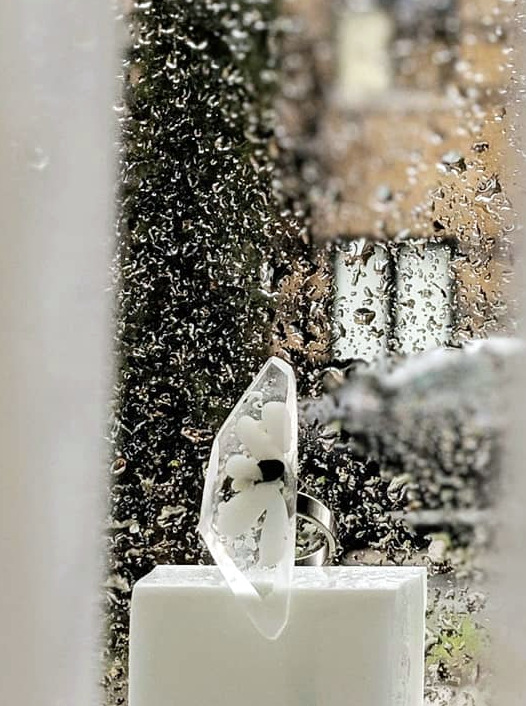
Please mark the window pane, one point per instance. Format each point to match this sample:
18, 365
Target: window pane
423, 297
361, 307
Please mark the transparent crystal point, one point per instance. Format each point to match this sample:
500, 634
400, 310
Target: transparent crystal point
248, 512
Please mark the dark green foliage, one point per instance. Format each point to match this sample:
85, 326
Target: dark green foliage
362, 501
212, 272
198, 218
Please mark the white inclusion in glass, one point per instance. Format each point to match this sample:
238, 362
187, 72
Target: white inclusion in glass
248, 512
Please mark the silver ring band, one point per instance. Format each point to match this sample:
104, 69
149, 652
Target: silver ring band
319, 515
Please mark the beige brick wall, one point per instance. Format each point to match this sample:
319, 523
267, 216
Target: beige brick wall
428, 159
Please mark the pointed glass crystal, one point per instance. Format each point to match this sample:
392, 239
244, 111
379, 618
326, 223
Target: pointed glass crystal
248, 512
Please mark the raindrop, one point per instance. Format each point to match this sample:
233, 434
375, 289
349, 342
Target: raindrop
38, 159
364, 316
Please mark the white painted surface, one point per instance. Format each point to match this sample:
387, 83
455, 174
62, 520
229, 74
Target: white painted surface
355, 636
507, 564
56, 195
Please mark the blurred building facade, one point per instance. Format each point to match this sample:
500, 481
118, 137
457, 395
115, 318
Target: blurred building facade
396, 114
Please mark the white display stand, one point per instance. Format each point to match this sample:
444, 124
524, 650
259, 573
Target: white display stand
355, 637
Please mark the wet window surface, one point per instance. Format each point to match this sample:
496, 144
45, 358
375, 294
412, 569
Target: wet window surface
327, 181
396, 297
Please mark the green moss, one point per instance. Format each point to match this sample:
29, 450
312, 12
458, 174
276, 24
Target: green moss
459, 647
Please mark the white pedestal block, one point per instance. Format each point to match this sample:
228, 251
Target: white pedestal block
355, 637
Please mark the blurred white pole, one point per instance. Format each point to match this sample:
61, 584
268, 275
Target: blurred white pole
509, 561
508, 568
56, 194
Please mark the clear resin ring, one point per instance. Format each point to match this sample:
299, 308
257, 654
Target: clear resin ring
248, 512
318, 515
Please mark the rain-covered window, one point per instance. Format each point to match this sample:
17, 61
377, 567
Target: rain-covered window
328, 181
392, 297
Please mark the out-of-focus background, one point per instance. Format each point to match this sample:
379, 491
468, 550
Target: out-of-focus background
330, 182
334, 182
398, 116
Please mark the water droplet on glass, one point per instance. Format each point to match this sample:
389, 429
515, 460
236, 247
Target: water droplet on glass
38, 159
364, 316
